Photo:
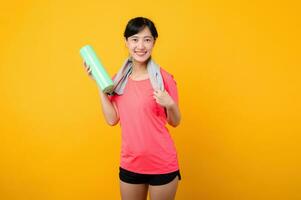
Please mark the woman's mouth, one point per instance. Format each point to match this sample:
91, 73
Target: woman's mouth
140, 53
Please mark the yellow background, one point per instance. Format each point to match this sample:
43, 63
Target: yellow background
237, 66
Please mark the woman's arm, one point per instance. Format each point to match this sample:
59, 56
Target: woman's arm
109, 109
173, 114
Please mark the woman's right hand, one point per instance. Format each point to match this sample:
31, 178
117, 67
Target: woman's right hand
88, 70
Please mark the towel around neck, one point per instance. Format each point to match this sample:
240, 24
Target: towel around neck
126, 69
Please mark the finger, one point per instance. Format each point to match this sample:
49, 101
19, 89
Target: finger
159, 92
156, 93
86, 65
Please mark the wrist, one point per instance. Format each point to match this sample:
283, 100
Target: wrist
170, 105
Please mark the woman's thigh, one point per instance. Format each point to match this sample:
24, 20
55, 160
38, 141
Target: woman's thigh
133, 191
164, 192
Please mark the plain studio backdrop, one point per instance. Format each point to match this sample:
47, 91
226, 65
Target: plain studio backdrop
237, 67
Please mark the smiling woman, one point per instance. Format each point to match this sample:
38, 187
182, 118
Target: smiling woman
145, 99
140, 36
140, 45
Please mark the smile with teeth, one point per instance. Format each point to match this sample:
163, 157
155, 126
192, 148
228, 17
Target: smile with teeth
140, 53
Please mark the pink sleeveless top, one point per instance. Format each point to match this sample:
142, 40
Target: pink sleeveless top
147, 146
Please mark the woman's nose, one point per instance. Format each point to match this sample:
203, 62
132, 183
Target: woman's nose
140, 45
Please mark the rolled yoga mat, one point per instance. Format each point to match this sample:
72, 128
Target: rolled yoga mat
98, 71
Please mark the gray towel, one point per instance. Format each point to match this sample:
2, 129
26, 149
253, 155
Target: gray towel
122, 75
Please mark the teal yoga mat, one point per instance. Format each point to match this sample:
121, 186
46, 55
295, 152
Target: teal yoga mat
98, 71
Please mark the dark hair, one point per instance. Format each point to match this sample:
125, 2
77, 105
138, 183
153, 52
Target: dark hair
137, 24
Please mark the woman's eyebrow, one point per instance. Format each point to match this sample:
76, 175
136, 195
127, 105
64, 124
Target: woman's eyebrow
135, 36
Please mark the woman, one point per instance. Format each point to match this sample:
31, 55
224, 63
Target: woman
144, 100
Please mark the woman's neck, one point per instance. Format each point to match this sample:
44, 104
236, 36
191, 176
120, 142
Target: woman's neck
139, 68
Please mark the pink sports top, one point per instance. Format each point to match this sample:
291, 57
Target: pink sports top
147, 146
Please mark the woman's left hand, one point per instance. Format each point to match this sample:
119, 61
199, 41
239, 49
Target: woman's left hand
163, 98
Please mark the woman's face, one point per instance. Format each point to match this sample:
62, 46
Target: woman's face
140, 45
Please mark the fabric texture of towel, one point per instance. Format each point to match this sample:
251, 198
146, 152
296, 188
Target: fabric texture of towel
122, 75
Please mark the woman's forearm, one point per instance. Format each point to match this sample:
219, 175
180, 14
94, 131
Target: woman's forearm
173, 115
109, 111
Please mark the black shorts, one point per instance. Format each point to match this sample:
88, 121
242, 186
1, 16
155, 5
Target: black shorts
151, 179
